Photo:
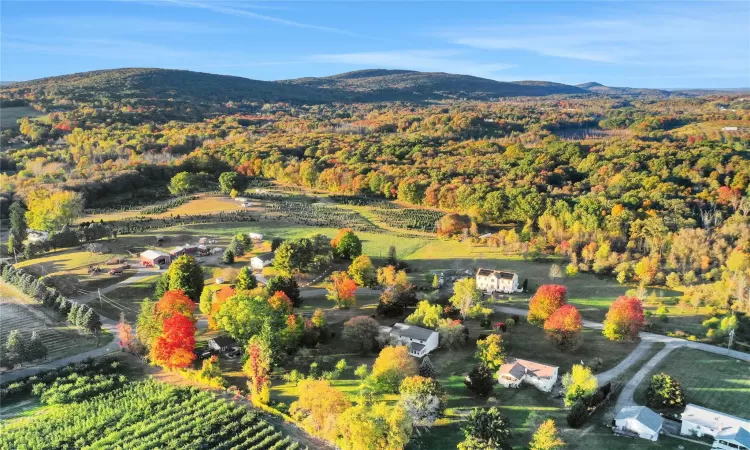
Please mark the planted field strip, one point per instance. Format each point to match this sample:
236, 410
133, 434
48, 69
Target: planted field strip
322, 216
59, 338
146, 415
410, 219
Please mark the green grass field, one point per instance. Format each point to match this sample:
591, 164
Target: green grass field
9, 116
126, 298
709, 380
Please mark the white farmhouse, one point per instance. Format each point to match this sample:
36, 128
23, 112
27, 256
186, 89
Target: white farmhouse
261, 261
515, 372
640, 421
419, 341
730, 432
491, 281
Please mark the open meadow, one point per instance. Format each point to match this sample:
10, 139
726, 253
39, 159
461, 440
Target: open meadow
9, 115
714, 381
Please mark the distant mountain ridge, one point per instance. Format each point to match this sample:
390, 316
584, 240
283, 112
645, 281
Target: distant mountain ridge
371, 85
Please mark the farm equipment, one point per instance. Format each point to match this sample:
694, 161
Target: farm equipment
93, 270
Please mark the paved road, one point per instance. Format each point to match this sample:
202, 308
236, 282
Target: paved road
320, 292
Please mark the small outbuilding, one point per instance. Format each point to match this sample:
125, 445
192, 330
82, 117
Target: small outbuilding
639, 421
154, 258
420, 341
261, 261
184, 250
255, 236
517, 371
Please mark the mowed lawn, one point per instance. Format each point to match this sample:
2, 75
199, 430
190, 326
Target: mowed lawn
127, 298
375, 245
714, 381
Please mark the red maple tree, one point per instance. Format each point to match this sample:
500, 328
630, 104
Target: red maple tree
548, 298
173, 348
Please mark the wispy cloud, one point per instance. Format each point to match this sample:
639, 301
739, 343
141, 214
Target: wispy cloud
654, 39
426, 60
222, 9
124, 25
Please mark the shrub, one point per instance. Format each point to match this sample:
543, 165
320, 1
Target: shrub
578, 414
664, 392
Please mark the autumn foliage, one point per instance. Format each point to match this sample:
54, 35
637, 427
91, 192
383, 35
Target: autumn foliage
564, 327
341, 290
220, 296
173, 348
280, 302
548, 299
624, 319
175, 302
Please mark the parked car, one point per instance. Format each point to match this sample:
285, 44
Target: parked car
115, 272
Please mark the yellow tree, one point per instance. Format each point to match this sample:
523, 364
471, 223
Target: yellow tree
491, 351
51, 210
392, 366
319, 407
546, 438
579, 383
380, 426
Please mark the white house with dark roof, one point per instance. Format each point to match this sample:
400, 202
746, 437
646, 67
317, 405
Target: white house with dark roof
491, 281
639, 420
261, 261
730, 432
420, 341
517, 371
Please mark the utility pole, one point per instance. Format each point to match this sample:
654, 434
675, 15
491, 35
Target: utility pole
731, 339
99, 291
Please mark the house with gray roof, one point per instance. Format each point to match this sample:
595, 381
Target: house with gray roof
420, 341
639, 421
729, 432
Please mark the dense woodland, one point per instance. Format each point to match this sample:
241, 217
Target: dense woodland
638, 194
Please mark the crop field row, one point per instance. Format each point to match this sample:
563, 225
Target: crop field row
146, 415
59, 338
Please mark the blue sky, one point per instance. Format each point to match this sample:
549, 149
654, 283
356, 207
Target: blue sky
636, 43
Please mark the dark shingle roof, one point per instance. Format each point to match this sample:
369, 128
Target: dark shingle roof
411, 331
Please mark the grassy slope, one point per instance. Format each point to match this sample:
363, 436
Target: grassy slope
709, 380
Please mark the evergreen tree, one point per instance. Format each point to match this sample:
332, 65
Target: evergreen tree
426, 369
246, 280
81, 315
91, 322
392, 259
15, 346
228, 256
73, 314
36, 348
286, 284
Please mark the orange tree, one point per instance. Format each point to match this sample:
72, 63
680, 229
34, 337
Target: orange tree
341, 290
564, 327
624, 319
548, 298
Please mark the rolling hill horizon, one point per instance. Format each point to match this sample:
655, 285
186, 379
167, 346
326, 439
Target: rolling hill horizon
369, 85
